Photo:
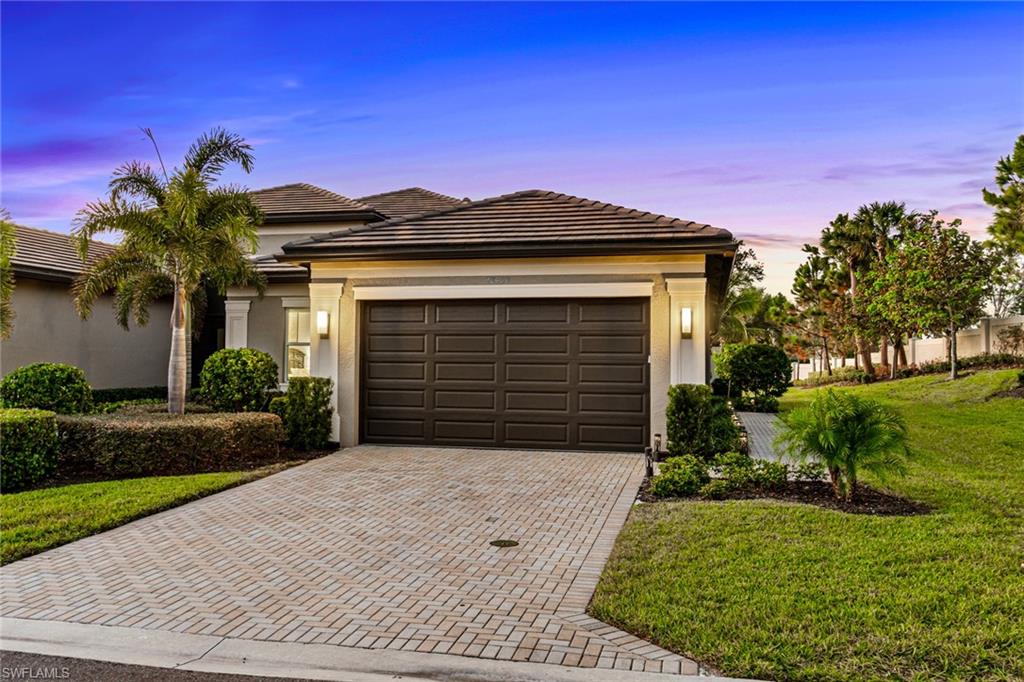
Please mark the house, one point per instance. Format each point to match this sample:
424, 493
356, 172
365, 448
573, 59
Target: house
528, 320
48, 329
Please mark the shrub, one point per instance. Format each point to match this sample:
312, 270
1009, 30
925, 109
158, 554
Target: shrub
680, 477
809, 471
848, 434
150, 407
716, 489
757, 403
28, 447
1020, 378
164, 444
839, 375
238, 380
1011, 340
699, 423
759, 369
47, 386
306, 412
739, 471
118, 395
122, 405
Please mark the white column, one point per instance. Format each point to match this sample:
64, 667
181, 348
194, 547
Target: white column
689, 356
325, 297
236, 323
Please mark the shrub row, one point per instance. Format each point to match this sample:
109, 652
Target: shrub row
102, 396
28, 447
699, 423
306, 412
983, 361
165, 444
730, 472
839, 375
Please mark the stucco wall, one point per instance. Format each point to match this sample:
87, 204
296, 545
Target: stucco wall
47, 329
274, 235
266, 329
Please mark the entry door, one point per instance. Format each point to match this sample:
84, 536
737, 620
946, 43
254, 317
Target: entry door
524, 373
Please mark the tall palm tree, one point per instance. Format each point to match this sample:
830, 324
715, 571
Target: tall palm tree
848, 434
7, 248
852, 245
179, 234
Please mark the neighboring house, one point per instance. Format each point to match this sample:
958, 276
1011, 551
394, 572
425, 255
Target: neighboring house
48, 329
529, 320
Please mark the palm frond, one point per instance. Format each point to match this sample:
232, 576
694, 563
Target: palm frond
106, 275
113, 215
136, 180
210, 154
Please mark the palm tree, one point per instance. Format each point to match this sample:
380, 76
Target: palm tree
847, 434
179, 234
851, 244
7, 247
739, 307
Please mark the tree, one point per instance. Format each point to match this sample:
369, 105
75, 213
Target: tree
1008, 223
936, 281
742, 297
851, 244
7, 247
821, 305
1007, 279
179, 233
847, 434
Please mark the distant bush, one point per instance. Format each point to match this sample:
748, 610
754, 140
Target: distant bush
306, 412
238, 380
680, 477
982, 361
839, 375
116, 395
28, 447
164, 444
1011, 340
47, 386
699, 423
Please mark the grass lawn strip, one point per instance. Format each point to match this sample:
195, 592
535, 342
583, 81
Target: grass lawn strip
785, 591
37, 520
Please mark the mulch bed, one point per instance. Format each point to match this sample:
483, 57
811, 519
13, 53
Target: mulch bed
1012, 393
819, 493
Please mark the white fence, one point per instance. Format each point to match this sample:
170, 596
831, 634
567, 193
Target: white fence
982, 338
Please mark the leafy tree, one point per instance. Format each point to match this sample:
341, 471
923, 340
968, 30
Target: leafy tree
847, 434
179, 233
742, 297
7, 248
1007, 279
851, 244
821, 305
936, 281
1008, 223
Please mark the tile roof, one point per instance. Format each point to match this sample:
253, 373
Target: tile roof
277, 271
50, 255
301, 201
410, 201
531, 220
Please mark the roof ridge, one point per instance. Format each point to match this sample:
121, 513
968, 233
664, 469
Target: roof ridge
333, 195
624, 210
410, 189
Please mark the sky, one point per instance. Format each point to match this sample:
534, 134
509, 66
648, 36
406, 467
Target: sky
765, 119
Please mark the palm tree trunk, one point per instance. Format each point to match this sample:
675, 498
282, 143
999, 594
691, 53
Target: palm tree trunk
833, 477
177, 367
851, 489
862, 350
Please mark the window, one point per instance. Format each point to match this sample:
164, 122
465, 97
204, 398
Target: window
296, 349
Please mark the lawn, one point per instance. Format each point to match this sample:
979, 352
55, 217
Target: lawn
37, 520
793, 592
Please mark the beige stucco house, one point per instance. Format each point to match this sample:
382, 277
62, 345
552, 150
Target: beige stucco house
529, 320
48, 329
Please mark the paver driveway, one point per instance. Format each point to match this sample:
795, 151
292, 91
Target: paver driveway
375, 547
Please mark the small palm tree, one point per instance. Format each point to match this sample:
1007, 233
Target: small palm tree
847, 434
179, 233
7, 248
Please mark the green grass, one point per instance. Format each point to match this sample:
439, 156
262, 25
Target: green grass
795, 592
37, 520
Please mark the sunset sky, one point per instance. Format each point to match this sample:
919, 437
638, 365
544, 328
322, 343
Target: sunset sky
765, 119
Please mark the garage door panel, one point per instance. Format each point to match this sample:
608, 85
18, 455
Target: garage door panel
555, 374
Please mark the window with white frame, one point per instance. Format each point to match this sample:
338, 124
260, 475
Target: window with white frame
296, 349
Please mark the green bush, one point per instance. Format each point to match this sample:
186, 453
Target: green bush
120, 445
741, 472
1020, 378
238, 380
715, 489
699, 423
149, 407
306, 412
28, 447
839, 375
757, 403
759, 369
118, 395
680, 477
809, 471
47, 386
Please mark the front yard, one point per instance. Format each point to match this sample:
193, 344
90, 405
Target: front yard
37, 520
794, 592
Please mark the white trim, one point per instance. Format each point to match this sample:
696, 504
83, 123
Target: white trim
295, 301
688, 356
563, 290
236, 323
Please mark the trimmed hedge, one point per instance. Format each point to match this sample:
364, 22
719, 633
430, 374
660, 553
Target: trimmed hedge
120, 395
699, 423
839, 375
238, 380
680, 477
28, 447
47, 386
149, 407
164, 444
306, 412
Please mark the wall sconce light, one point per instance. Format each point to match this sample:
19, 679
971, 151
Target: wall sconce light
686, 323
323, 323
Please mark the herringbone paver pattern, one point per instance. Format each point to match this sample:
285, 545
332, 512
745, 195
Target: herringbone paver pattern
377, 547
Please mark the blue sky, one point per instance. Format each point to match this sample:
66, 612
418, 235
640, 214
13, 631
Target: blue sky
766, 119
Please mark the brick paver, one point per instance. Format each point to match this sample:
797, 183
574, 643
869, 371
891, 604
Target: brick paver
761, 429
377, 547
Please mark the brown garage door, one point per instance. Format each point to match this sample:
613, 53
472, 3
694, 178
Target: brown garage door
555, 374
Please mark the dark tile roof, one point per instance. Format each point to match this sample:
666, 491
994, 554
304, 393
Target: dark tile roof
531, 221
410, 201
301, 202
277, 271
50, 255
